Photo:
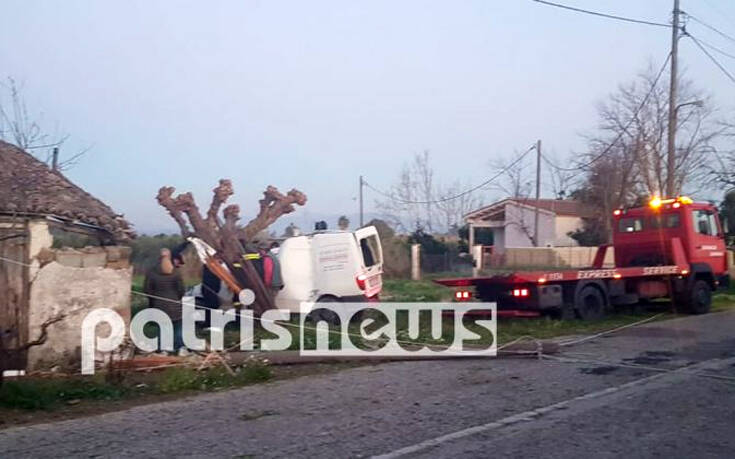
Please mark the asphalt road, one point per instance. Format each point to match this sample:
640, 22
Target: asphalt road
682, 404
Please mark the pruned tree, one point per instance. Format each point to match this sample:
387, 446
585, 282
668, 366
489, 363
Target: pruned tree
225, 235
19, 127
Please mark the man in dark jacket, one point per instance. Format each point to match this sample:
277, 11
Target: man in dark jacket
164, 285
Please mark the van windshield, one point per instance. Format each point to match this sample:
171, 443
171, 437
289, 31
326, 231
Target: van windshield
370, 252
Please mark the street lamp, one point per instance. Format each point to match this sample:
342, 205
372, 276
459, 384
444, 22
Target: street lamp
671, 147
696, 103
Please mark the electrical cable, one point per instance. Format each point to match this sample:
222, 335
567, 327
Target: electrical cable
622, 131
712, 58
723, 34
459, 195
604, 15
715, 48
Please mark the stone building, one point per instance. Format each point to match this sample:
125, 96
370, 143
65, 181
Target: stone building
60, 253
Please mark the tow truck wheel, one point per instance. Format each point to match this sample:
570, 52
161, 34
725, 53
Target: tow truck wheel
590, 304
700, 298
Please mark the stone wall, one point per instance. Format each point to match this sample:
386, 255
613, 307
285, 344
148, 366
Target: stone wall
73, 282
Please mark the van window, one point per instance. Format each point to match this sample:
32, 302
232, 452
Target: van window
630, 225
705, 223
370, 252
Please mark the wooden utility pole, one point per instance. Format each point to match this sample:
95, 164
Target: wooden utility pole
671, 145
538, 193
361, 208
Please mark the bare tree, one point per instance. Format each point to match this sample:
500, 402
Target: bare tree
721, 171
561, 180
18, 126
515, 181
453, 204
398, 208
417, 200
637, 115
627, 156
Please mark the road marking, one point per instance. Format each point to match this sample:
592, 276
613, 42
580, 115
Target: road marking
537, 413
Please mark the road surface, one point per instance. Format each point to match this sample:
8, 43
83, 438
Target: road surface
664, 389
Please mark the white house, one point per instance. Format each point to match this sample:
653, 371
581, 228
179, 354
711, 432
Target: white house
512, 222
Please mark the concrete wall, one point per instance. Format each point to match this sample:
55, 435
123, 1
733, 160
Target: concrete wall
72, 282
566, 224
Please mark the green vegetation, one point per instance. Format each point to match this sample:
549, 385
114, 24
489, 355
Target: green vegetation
405, 291
51, 393
146, 249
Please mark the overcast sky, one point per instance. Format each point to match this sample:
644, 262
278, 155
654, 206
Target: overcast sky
311, 94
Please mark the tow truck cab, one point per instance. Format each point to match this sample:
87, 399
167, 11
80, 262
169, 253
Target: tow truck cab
642, 235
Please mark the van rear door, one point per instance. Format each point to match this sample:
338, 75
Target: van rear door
371, 254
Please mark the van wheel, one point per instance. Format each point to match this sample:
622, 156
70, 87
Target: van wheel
330, 317
700, 298
590, 304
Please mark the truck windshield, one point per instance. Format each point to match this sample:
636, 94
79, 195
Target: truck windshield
665, 221
630, 225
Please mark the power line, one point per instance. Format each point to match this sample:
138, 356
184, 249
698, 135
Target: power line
622, 131
715, 48
464, 193
711, 27
712, 58
604, 15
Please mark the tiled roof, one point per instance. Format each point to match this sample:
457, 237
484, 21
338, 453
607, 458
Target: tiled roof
30, 187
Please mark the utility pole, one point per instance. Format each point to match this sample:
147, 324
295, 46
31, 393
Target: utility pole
671, 145
362, 182
538, 193
55, 159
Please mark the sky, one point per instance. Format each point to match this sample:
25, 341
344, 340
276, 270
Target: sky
312, 94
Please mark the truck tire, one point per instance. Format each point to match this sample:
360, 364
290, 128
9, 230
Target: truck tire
699, 297
590, 304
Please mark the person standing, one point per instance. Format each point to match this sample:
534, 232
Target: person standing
164, 285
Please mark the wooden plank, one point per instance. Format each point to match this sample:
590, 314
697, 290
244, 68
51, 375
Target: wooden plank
14, 286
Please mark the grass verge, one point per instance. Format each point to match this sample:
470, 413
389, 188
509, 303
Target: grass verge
53, 392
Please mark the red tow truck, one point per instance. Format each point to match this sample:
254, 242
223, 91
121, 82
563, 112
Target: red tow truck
672, 248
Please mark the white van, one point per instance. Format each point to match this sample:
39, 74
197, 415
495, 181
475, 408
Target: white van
330, 266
